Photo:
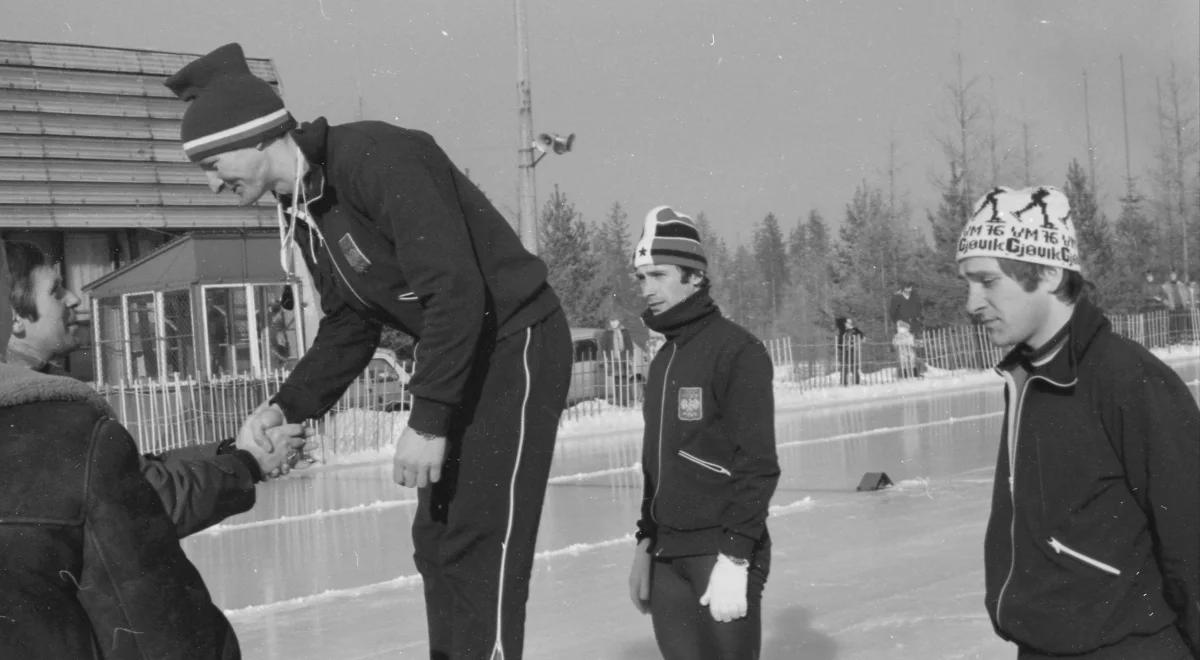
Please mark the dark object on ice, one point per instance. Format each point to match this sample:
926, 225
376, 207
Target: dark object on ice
874, 481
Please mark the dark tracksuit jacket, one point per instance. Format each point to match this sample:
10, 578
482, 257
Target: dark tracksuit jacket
709, 465
1094, 534
394, 234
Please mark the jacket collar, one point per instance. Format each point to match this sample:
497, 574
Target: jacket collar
20, 385
312, 138
685, 320
1085, 324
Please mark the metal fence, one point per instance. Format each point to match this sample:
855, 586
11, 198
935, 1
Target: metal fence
165, 414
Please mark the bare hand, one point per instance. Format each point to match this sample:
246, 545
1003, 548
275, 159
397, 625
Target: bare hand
265, 416
270, 441
639, 577
418, 460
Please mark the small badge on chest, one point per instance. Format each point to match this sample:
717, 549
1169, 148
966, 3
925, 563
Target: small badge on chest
354, 256
691, 406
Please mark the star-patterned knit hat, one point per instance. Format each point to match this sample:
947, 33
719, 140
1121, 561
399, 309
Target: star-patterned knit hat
1033, 225
669, 238
229, 107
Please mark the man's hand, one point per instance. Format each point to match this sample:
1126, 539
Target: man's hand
639, 576
419, 457
265, 416
280, 440
726, 593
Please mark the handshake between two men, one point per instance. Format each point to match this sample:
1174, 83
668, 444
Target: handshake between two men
277, 446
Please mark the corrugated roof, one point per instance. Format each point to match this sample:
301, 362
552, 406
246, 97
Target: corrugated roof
89, 138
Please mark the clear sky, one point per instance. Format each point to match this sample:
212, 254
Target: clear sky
733, 108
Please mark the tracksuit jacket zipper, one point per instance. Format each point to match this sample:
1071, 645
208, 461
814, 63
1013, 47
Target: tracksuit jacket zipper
662, 406
1013, 434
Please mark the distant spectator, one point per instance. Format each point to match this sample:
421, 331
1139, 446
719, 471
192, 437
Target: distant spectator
848, 347
906, 350
1177, 298
616, 347
905, 305
1193, 292
1152, 298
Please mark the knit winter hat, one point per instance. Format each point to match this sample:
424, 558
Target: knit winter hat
229, 107
1032, 225
669, 238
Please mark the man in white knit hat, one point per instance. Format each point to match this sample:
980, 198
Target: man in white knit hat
1093, 547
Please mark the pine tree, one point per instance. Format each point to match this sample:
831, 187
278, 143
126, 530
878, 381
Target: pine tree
772, 263
1135, 234
865, 260
566, 248
614, 273
940, 290
1093, 232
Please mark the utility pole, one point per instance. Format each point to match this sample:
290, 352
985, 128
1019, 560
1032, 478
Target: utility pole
1125, 124
526, 192
1091, 148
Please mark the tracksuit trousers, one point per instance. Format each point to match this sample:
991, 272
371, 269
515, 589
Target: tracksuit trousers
475, 529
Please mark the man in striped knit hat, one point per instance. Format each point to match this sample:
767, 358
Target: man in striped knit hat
709, 465
394, 234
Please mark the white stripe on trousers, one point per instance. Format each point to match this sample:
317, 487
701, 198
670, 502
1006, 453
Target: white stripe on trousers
498, 647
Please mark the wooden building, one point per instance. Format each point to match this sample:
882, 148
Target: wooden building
91, 167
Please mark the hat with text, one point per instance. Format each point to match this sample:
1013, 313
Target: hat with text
1033, 225
669, 238
228, 106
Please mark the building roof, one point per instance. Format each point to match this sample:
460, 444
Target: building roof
89, 138
199, 258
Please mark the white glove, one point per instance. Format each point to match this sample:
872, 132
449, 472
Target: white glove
725, 597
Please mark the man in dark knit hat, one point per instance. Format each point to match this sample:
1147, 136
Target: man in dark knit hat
1093, 545
394, 234
709, 465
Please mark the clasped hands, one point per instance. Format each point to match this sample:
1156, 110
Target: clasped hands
271, 440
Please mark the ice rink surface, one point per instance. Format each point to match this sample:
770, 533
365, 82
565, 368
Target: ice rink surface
322, 567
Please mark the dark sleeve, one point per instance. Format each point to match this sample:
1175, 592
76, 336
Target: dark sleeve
646, 527
341, 350
413, 196
142, 595
1160, 439
748, 406
199, 487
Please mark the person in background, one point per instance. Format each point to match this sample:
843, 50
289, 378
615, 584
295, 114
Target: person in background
1177, 301
395, 234
905, 305
199, 485
906, 352
709, 464
1092, 550
848, 347
616, 348
1152, 294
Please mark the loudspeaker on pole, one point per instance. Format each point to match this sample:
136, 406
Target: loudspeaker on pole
874, 481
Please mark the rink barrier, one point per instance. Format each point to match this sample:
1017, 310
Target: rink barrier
169, 413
